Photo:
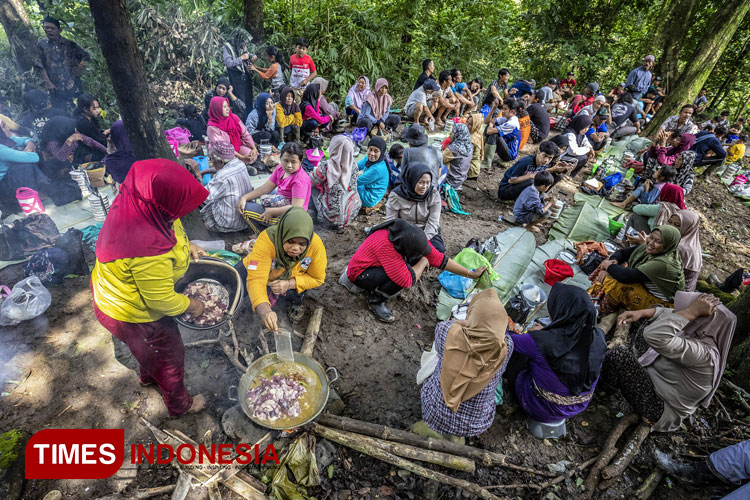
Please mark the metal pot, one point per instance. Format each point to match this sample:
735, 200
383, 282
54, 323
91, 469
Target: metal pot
215, 269
269, 359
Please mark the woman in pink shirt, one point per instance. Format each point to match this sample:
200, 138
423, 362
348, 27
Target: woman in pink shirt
292, 189
223, 125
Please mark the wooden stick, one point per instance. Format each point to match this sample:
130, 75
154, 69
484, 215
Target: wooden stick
345, 440
311, 335
263, 342
485, 457
230, 354
649, 485
608, 451
404, 450
620, 463
740, 393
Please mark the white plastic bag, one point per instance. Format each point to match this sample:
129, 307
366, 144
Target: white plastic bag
427, 364
28, 299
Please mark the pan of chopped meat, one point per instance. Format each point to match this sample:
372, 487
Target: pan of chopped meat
284, 395
215, 283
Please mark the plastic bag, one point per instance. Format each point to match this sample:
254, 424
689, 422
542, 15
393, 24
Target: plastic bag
455, 285
472, 260
28, 299
612, 180
427, 364
517, 309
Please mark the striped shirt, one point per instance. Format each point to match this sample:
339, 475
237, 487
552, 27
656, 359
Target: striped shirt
219, 212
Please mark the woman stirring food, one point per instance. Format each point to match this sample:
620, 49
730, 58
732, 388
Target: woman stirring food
135, 272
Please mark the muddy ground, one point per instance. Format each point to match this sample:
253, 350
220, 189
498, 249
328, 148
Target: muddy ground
63, 370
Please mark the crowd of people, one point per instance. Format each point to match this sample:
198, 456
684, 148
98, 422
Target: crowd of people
673, 366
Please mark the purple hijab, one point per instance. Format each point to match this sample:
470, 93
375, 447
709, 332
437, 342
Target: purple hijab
118, 163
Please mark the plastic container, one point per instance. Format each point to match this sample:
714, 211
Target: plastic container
556, 270
314, 156
532, 295
739, 180
541, 430
99, 203
203, 165
82, 180
284, 345
210, 246
29, 201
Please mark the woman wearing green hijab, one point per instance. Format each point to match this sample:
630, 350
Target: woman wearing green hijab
652, 277
288, 259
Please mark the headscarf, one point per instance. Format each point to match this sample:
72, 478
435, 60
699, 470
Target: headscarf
690, 243
476, 132
230, 124
223, 81
408, 179
686, 142
118, 163
295, 223
379, 143
685, 172
340, 163
572, 345
154, 192
260, 107
461, 145
58, 129
380, 105
310, 97
408, 239
665, 269
291, 109
715, 331
673, 193
473, 353
575, 126
322, 82
358, 96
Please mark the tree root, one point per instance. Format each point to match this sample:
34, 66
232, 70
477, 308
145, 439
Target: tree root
608, 451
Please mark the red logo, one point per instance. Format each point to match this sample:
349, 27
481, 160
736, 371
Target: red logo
75, 453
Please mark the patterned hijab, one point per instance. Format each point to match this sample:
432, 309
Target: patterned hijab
461, 145
357, 96
473, 353
380, 105
476, 132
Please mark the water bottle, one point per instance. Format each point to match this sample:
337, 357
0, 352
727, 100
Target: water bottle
629, 174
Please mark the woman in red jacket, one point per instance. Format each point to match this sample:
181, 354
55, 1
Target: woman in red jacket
393, 257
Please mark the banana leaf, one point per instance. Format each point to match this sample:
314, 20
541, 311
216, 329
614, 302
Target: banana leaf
586, 219
597, 201
514, 249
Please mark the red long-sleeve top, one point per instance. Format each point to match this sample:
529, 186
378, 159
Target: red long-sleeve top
378, 251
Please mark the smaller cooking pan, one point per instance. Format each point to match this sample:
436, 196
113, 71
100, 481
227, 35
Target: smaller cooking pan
270, 359
215, 269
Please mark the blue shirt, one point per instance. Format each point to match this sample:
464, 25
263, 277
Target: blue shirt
640, 79
9, 156
601, 128
529, 205
705, 142
372, 183
525, 165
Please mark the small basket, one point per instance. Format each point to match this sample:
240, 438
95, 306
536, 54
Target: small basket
29, 201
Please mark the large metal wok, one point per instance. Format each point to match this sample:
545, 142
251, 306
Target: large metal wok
215, 269
270, 359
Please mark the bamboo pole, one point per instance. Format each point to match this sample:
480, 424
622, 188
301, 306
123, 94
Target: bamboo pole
485, 457
345, 439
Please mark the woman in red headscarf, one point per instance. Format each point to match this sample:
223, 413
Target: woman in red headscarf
135, 272
223, 125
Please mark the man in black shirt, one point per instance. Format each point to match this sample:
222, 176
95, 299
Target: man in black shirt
539, 118
428, 68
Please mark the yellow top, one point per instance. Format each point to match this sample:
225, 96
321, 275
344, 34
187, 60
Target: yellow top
735, 153
309, 272
285, 120
141, 289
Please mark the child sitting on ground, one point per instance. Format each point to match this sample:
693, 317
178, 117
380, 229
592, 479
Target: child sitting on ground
193, 121
648, 192
736, 151
393, 160
530, 208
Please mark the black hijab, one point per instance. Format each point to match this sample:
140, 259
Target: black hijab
310, 97
379, 143
408, 179
572, 345
408, 239
576, 125
291, 109
58, 129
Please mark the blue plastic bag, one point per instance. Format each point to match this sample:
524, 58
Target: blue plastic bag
455, 285
612, 180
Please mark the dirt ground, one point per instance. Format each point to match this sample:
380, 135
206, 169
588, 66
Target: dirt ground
61, 370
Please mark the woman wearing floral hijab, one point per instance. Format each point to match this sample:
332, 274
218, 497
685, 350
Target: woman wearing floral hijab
355, 99
474, 123
458, 155
376, 114
336, 199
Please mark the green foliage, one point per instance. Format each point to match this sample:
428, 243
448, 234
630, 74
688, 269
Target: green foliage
10, 446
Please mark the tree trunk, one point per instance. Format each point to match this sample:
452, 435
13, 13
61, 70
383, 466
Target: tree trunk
739, 354
744, 105
701, 63
21, 37
677, 21
253, 19
729, 80
116, 37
